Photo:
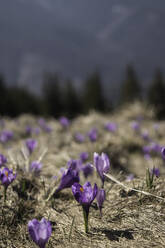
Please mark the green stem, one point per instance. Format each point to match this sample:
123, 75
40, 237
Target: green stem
5, 195
85, 214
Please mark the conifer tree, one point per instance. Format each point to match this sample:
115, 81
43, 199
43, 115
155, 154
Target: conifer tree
93, 93
72, 100
52, 95
156, 94
130, 89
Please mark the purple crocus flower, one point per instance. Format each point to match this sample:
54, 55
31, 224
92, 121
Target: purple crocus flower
79, 137
155, 171
93, 134
87, 170
84, 156
84, 195
100, 199
40, 231
69, 177
35, 167
31, 144
3, 160
102, 164
163, 152
64, 122
6, 177
111, 127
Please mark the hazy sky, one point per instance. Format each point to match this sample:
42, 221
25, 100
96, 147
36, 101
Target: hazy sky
74, 37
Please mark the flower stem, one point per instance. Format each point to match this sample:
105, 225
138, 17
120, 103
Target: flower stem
5, 195
86, 214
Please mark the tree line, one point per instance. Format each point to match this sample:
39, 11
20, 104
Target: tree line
64, 99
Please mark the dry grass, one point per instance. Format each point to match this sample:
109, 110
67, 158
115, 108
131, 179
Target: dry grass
129, 219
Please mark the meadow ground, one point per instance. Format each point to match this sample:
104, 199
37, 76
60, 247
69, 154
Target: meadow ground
129, 219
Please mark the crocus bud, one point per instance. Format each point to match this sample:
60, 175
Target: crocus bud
100, 197
102, 164
40, 231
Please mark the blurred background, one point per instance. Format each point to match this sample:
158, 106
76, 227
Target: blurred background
62, 57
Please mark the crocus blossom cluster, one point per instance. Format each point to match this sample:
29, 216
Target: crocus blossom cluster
40, 231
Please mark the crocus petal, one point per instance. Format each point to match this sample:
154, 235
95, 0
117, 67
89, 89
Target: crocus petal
40, 232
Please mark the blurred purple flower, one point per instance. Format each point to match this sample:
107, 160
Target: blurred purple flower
145, 135
7, 177
69, 177
156, 147
100, 197
156, 126
111, 127
44, 126
6, 135
87, 170
155, 171
147, 156
40, 232
31, 144
35, 167
28, 130
64, 122
93, 134
163, 152
84, 156
75, 164
102, 164
146, 149
37, 130
130, 177
135, 126
3, 160
79, 137
84, 195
